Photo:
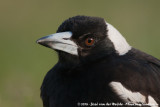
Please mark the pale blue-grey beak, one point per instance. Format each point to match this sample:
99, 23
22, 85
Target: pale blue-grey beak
60, 41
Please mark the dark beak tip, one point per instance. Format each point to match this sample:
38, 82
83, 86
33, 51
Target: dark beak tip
38, 41
43, 43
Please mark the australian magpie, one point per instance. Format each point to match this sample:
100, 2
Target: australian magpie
97, 67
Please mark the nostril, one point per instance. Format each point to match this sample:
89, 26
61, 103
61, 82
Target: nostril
66, 38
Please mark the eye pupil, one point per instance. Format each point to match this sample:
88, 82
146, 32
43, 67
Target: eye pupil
89, 41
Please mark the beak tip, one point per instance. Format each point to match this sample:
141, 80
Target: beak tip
43, 39
38, 41
42, 42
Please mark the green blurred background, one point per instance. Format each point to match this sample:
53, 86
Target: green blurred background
23, 63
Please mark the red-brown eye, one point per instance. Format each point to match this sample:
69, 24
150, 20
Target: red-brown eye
89, 41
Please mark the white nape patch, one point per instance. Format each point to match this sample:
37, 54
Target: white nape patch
61, 41
131, 97
119, 42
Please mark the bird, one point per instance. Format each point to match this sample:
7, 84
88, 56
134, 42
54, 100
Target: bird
97, 67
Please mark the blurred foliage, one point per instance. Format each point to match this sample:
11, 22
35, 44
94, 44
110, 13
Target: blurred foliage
23, 63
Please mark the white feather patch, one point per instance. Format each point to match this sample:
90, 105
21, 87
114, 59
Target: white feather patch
152, 102
119, 42
131, 97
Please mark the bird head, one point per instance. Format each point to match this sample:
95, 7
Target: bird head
85, 37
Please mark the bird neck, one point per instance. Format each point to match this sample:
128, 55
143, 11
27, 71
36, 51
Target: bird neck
68, 59
71, 61
96, 58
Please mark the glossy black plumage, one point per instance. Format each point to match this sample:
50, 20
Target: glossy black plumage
85, 78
